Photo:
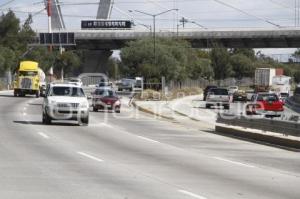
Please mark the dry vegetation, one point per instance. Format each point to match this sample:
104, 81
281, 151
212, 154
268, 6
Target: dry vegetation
158, 95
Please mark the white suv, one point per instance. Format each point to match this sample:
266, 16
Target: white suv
65, 102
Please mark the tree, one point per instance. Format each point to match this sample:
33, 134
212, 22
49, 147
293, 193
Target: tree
9, 29
297, 76
114, 68
242, 66
68, 61
220, 59
247, 52
202, 68
26, 33
173, 59
7, 59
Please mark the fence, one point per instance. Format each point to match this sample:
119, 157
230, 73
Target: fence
202, 83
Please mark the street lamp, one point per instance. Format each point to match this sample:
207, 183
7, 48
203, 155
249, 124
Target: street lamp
154, 26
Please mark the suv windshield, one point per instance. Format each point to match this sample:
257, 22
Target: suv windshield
67, 91
127, 81
219, 91
105, 93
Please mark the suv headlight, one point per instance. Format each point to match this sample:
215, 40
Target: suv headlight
51, 102
84, 105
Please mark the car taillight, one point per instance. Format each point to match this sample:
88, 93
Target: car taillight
257, 106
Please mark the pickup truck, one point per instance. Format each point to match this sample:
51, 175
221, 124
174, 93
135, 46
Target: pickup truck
218, 97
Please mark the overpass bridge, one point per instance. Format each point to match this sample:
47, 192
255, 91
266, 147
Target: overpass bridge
206, 38
100, 43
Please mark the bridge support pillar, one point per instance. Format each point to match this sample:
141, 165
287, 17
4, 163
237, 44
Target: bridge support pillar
96, 61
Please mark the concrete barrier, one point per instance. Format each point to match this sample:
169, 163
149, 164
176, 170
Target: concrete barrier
277, 126
269, 139
293, 104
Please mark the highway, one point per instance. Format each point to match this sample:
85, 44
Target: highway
132, 155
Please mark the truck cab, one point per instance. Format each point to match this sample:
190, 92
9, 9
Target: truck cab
28, 79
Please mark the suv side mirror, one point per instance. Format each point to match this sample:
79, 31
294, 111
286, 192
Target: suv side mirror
89, 97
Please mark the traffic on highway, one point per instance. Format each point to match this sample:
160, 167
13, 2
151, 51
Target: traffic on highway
166, 99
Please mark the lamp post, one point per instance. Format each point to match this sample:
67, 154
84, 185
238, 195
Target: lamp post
154, 26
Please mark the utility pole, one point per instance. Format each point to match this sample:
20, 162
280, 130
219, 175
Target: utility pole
49, 12
183, 21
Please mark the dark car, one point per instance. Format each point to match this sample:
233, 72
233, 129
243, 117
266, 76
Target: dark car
240, 96
206, 90
106, 99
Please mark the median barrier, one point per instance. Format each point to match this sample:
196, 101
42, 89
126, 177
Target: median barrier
277, 126
293, 104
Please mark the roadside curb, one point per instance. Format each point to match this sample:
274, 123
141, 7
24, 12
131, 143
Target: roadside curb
5, 91
151, 112
288, 144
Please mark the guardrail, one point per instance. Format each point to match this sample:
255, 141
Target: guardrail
277, 126
293, 104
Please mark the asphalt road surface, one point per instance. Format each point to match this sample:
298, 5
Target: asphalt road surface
133, 156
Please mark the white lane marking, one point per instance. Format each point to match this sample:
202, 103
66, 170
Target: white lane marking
150, 140
24, 114
90, 156
25, 108
191, 194
234, 162
97, 124
43, 135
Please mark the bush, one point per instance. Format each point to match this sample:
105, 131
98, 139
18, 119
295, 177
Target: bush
150, 94
2, 86
183, 92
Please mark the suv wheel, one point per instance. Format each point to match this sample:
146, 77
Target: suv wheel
95, 109
37, 94
227, 107
85, 120
117, 110
46, 119
207, 106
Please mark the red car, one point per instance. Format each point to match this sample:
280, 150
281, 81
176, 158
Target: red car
106, 99
267, 104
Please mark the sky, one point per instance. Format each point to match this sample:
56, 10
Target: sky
208, 13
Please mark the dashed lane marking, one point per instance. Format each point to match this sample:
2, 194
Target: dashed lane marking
147, 139
90, 156
191, 194
234, 162
43, 135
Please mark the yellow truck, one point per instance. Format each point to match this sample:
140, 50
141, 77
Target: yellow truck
29, 79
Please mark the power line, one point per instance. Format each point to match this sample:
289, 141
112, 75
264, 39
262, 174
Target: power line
246, 13
281, 4
4, 4
157, 4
